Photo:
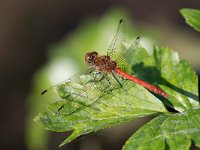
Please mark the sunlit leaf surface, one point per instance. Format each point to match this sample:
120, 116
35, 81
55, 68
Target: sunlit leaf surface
90, 107
86, 105
91, 102
176, 132
175, 76
192, 17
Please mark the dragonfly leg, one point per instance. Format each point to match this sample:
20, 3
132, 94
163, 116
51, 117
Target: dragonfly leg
95, 79
116, 79
107, 79
94, 102
106, 89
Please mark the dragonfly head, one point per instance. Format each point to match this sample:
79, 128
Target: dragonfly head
90, 57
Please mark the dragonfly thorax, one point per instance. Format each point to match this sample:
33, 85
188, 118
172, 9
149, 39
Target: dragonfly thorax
100, 63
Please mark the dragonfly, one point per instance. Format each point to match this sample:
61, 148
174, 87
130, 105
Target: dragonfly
103, 75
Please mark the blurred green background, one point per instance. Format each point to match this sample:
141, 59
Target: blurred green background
44, 42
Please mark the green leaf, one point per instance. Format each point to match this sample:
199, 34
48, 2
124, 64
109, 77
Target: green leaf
84, 106
176, 77
192, 17
168, 132
88, 109
66, 57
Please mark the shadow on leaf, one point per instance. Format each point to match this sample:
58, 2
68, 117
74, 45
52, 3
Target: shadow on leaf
153, 76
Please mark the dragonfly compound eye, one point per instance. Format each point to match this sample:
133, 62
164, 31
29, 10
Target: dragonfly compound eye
90, 57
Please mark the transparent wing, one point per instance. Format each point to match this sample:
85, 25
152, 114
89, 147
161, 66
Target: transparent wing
79, 92
127, 55
116, 49
54, 96
86, 88
116, 43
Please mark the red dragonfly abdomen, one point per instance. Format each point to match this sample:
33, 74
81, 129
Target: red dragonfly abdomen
148, 86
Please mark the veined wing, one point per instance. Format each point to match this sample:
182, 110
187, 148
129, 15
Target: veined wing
127, 55
79, 92
119, 37
52, 93
116, 50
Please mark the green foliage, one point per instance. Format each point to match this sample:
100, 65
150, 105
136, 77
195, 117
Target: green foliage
175, 131
100, 110
192, 17
64, 59
91, 110
80, 106
176, 77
